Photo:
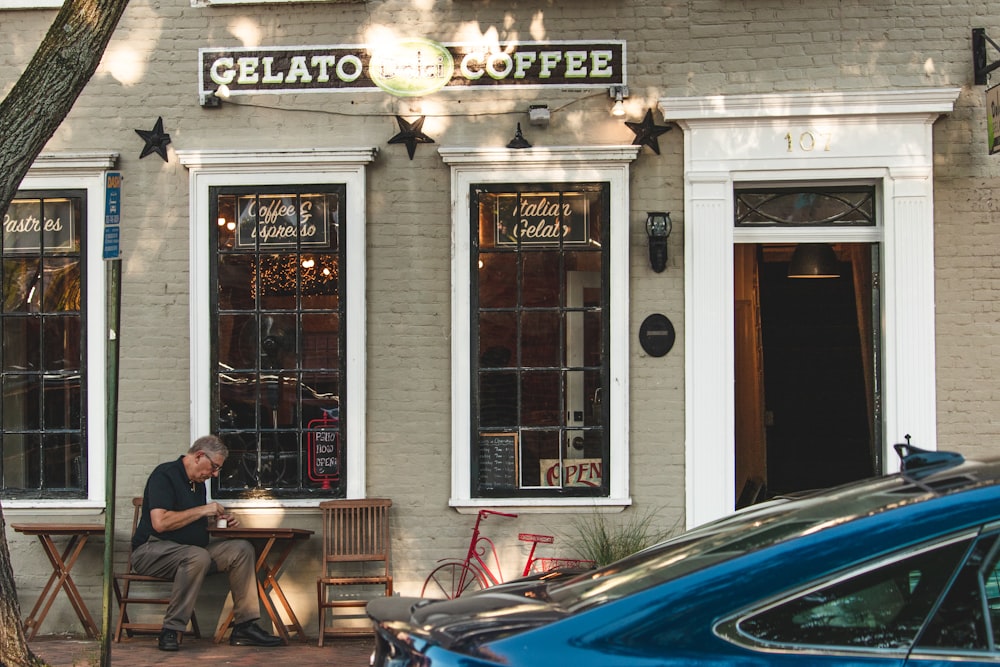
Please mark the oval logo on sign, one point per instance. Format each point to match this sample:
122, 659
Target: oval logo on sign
411, 67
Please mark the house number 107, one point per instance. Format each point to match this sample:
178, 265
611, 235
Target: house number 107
808, 141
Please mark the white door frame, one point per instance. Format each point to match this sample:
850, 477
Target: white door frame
879, 137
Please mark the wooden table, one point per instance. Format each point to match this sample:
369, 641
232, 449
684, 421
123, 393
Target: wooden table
62, 564
273, 546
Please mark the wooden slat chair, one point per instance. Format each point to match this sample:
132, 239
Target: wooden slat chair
125, 595
355, 560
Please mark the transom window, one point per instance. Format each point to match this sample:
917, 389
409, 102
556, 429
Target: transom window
278, 371
41, 362
540, 332
804, 207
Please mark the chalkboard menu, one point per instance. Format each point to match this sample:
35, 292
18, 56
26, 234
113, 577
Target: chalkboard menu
497, 461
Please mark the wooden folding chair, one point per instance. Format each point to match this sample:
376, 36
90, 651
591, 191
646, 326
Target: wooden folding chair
355, 560
125, 595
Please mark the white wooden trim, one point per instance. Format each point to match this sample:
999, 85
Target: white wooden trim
879, 137
282, 167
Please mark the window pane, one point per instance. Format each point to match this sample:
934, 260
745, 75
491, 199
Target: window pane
20, 461
61, 285
321, 340
882, 608
21, 288
62, 339
20, 402
540, 458
540, 398
498, 332
21, 343
541, 282
236, 282
62, 402
62, 460
540, 335
498, 280
498, 399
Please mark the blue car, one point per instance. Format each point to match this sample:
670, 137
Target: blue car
898, 570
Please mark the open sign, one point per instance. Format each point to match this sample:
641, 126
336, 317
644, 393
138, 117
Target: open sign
324, 451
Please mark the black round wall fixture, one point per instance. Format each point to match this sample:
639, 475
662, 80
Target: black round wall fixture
657, 335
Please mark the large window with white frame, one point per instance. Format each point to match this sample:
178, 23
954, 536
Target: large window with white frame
540, 324
52, 323
278, 320
540, 318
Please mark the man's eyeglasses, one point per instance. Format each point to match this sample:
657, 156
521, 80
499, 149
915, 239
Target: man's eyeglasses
215, 468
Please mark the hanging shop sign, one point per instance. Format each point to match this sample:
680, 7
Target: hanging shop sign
993, 119
543, 218
411, 67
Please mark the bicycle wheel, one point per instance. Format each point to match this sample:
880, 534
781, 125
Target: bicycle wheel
452, 580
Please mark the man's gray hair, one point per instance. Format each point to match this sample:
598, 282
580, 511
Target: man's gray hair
210, 444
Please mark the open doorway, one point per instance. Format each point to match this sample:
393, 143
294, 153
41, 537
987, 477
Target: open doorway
806, 371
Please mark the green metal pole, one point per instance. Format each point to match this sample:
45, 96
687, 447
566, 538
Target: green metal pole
114, 271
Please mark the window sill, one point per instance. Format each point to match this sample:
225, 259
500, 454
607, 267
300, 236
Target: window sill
541, 505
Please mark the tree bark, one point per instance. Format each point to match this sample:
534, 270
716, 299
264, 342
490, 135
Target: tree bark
30, 114
46, 91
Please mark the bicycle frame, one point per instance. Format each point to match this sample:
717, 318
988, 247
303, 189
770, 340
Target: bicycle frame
480, 546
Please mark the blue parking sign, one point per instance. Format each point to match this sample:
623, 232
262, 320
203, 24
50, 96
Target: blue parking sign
112, 215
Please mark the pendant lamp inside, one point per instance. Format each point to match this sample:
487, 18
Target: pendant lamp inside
814, 260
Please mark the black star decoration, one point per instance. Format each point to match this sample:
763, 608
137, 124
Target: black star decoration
156, 140
411, 134
646, 132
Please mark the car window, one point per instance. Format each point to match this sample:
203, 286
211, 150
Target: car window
969, 616
882, 607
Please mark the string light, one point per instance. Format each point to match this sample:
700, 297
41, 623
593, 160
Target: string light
276, 275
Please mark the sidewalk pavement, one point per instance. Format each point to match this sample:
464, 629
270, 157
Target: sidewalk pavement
141, 651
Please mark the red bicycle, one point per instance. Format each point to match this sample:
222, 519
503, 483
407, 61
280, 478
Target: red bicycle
481, 566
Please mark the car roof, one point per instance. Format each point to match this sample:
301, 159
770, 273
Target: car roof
778, 521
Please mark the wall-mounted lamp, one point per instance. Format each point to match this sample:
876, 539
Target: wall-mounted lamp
658, 226
618, 92
518, 141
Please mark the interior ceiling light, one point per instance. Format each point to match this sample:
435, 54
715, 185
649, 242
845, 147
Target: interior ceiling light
814, 260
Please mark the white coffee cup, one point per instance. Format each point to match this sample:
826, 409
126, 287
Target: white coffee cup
222, 523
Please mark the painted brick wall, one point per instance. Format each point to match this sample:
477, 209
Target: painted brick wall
699, 47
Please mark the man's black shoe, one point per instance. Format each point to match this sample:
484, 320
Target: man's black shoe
248, 634
167, 640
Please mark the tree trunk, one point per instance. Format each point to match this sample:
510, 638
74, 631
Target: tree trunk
30, 114
44, 94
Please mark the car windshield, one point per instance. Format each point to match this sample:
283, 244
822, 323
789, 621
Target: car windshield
755, 528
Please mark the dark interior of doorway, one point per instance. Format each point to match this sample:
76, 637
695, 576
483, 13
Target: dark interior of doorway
816, 420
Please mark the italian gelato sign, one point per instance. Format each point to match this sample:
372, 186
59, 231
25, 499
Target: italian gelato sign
410, 67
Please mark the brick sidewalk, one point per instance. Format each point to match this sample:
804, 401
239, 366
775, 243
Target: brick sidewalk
142, 652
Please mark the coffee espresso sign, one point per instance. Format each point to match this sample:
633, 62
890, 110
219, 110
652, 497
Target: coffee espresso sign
410, 67
284, 221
